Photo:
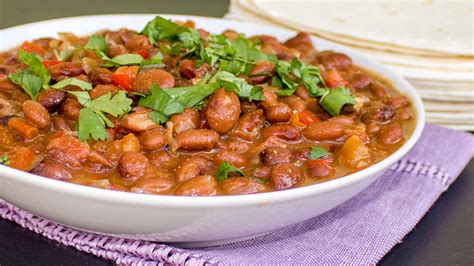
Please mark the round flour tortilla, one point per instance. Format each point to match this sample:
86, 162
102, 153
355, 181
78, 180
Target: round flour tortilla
437, 27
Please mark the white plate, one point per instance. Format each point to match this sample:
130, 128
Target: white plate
200, 221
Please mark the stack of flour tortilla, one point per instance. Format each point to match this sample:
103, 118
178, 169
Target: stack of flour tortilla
431, 43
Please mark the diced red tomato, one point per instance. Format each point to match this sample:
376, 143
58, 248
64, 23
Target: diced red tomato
334, 79
308, 118
143, 53
30, 48
48, 63
124, 77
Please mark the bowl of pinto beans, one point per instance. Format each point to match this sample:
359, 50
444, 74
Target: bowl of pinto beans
192, 130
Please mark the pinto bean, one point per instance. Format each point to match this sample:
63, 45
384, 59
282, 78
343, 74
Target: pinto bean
390, 134
192, 167
51, 99
6, 84
189, 119
23, 128
52, 170
100, 90
100, 76
378, 89
145, 79
302, 92
319, 169
133, 165
36, 114
269, 98
332, 60
398, 101
205, 185
232, 157
153, 186
59, 124
278, 113
138, 121
231, 34
138, 42
285, 132
261, 71
65, 70
301, 42
262, 172
161, 159
71, 109
295, 103
242, 186
222, 111
327, 130
153, 139
360, 81
249, 125
187, 69
379, 113
276, 155
284, 176
116, 50
67, 150
196, 139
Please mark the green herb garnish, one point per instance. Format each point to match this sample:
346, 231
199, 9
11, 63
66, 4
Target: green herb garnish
239, 86
224, 169
317, 152
4, 160
73, 81
333, 100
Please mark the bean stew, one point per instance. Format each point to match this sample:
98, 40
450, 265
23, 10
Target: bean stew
175, 110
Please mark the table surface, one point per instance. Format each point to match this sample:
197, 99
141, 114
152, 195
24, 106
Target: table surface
445, 236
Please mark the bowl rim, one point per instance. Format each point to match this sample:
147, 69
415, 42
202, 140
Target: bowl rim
231, 200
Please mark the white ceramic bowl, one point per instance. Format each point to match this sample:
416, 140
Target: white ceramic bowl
188, 221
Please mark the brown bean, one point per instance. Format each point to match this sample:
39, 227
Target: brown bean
269, 98
319, 169
332, 60
249, 125
378, 113
138, 121
6, 84
23, 128
398, 101
100, 76
261, 71
36, 114
232, 157
262, 172
343, 120
59, 124
52, 170
242, 186
276, 155
192, 167
205, 185
71, 109
68, 150
65, 70
189, 119
153, 186
51, 99
301, 42
153, 139
235, 145
284, 176
100, 90
222, 111
133, 165
231, 34
196, 139
378, 89
327, 130
145, 79
360, 81
161, 159
285, 132
138, 42
390, 134
295, 103
278, 113
302, 92
187, 69
116, 50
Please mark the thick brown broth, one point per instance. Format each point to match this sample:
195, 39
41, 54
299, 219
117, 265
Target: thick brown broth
270, 139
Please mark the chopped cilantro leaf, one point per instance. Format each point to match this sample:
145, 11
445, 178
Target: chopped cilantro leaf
317, 152
224, 169
123, 60
30, 83
154, 61
96, 43
73, 81
161, 28
333, 100
116, 105
90, 125
65, 53
239, 86
4, 160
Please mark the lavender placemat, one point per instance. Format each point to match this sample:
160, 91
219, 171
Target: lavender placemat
360, 231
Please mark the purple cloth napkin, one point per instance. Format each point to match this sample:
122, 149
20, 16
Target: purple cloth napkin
360, 231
